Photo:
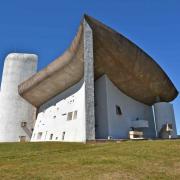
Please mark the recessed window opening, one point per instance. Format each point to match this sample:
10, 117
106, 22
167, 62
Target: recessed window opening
39, 135
23, 124
69, 116
51, 136
45, 135
22, 138
75, 115
63, 135
54, 117
118, 110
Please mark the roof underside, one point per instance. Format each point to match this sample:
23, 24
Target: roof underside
129, 68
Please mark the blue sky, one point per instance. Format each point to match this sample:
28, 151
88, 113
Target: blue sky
47, 27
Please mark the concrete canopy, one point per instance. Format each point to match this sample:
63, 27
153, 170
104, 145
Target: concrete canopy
133, 71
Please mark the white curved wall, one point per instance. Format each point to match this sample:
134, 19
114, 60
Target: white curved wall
52, 119
164, 114
108, 123
14, 109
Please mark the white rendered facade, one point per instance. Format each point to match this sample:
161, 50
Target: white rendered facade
74, 107
63, 117
53, 123
109, 123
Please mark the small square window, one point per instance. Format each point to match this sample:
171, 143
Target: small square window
22, 138
75, 115
118, 110
39, 135
69, 116
51, 136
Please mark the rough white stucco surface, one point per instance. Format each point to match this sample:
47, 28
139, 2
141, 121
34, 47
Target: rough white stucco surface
52, 122
13, 108
53, 125
108, 122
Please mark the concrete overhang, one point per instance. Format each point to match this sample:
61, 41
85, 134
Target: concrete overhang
133, 71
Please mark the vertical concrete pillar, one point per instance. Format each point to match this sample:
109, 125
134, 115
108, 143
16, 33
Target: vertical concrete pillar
89, 82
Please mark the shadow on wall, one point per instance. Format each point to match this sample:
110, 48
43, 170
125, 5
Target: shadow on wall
62, 96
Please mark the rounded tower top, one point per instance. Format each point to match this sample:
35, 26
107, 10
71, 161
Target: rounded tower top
21, 56
18, 67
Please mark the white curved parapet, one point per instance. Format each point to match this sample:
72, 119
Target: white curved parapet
14, 110
164, 116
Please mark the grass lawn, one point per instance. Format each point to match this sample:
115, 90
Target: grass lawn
124, 160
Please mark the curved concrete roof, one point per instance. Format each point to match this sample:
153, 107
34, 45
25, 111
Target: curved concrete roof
133, 71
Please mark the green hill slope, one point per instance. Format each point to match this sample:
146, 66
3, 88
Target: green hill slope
124, 160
